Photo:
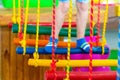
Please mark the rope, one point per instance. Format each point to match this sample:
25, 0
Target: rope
53, 65
118, 68
98, 24
104, 28
14, 12
35, 54
69, 40
91, 36
20, 19
23, 42
19, 15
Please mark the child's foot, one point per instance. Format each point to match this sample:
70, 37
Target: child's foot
81, 43
48, 47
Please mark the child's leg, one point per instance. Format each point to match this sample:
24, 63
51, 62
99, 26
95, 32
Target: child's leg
60, 13
82, 18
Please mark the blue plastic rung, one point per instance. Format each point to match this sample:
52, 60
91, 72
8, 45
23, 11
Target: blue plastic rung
31, 50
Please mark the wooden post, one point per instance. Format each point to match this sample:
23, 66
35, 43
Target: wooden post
13, 60
5, 53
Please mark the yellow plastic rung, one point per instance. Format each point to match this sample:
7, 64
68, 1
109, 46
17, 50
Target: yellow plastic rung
73, 63
117, 10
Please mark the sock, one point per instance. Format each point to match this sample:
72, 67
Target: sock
82, 43
48, 47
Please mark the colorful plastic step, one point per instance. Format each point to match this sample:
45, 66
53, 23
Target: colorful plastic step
46, 30
62, 44
31, 50
78, 75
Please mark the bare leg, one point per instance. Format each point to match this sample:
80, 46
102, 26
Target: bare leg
60, 14
82, 16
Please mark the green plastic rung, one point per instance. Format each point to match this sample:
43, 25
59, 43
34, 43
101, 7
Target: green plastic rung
46, 30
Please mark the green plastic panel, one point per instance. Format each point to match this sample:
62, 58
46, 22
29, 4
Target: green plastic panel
113, 55
32, 4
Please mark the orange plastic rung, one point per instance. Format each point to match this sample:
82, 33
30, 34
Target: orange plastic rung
42, 43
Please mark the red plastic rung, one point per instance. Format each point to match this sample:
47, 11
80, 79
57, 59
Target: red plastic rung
75, 75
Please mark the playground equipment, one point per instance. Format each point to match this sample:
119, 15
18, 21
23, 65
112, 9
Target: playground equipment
97, 47
9, 4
